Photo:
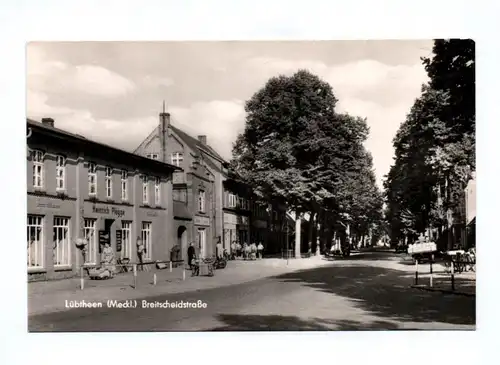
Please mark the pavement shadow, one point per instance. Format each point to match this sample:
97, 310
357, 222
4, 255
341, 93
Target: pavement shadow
292, 323
387, 293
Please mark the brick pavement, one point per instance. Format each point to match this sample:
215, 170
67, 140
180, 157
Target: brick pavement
50, 296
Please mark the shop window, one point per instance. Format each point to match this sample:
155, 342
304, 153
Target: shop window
89, 232
146, 236
35, 241
62, 242
126, 240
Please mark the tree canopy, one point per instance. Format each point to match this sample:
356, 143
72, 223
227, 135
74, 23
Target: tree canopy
297, 149
435, 145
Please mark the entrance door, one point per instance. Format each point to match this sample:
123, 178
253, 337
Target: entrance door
182, 242
202, 242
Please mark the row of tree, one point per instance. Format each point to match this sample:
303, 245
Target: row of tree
435, 148
297, 151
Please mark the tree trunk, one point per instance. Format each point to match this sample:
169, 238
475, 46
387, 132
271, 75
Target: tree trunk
315, 232
298, 242
322, 233
310, 232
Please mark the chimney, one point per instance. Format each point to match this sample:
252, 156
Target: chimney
202, 139
48, 121
164, 124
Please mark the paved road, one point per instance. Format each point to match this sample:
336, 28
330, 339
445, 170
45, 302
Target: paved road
340, 297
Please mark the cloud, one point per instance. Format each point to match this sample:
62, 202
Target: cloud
219, 120
367, 88
151, 81
125, 134
52, 76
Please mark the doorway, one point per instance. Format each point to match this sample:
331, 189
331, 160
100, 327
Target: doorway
182, 241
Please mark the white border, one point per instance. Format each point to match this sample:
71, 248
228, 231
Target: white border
33, 20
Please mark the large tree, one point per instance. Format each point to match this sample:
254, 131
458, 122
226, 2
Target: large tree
435, 146
297, 150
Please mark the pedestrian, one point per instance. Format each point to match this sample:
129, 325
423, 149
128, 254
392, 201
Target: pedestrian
233, 250
246, 251
260, 249
140, 252
253, 251
191, 255
238, 250
219, 250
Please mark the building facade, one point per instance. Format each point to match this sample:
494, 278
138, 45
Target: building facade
77, 188
196, 193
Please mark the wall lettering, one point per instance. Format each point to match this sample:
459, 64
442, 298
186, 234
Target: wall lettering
105, 210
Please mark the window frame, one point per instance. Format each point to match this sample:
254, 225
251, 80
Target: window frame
61, 170
108, 181
90, 225
38, 161
124, 185
147, 236
153, 156
65, 248
201, 201
35, 228
145, 189
126, 230
157, 191
177, 158
92, 172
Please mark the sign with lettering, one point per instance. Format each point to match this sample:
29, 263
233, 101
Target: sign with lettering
201, 221
152, 214
118, 241
106, 210
48, 206
104, 238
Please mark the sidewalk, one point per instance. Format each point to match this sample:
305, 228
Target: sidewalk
50, 296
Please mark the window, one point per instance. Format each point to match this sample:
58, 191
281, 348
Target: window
153, 156
61, 242
232, 200
124, 185
35, 241
176, 159
92, 178
157, 191
127, 240
146, 239
202, 242
89, 232
38, 159
201, 201
109, 182
145, 190
179, 195
60, 172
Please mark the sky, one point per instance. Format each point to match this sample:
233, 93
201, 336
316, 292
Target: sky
112, 92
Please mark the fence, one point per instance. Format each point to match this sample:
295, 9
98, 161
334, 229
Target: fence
134, 274
453, 276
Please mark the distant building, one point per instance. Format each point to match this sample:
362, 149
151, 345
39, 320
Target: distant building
78, 188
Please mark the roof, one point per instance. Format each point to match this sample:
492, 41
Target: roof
194, 143
105, 149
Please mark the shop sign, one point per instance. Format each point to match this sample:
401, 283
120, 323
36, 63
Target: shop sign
201, 221
48, 205
152, 214
106, 210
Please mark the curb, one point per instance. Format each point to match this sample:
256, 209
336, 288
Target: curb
181, 291
444, 291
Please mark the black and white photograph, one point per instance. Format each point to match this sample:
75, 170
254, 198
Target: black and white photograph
300, 185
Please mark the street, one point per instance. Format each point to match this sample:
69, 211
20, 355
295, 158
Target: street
354, 294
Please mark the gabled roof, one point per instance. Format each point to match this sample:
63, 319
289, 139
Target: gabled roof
195, 144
